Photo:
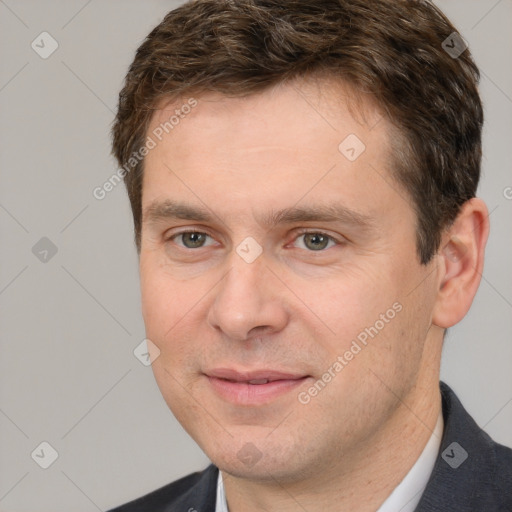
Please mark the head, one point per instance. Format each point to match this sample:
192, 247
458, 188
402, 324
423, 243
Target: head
302, 177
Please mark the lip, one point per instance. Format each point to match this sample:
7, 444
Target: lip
243, 388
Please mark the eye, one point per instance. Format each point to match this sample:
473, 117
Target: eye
191, 239
315, 241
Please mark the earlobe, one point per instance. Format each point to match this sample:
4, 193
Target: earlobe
461, 257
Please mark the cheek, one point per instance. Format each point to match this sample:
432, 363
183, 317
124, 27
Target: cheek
352, 303
164, 299
157, 307
377, 326
165, 304
174, 313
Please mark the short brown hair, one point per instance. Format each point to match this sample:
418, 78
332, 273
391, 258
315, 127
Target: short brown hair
391, 49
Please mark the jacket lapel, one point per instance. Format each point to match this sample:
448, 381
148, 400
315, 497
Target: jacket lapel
463, 476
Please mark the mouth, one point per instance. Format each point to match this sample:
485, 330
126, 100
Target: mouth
252, 387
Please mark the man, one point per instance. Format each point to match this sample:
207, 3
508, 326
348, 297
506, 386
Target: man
302, 177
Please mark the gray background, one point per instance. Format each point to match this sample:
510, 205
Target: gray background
70, 324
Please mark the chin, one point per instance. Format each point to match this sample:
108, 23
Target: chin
261, 459
262, 471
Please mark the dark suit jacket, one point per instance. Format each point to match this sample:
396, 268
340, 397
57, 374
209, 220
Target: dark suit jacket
473, 475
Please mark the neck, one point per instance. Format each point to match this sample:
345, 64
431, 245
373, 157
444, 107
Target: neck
365, 477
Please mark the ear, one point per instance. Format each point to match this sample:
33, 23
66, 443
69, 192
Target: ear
461, 261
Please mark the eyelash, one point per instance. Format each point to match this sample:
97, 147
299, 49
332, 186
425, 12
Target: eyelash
301, 232
188, 231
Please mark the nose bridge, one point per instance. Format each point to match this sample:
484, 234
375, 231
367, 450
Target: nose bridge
244, 300
244, 280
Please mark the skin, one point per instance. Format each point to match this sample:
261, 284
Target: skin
296, 309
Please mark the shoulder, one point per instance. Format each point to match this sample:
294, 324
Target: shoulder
472, 471
194, 492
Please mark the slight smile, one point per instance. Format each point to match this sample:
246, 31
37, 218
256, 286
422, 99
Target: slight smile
255, 387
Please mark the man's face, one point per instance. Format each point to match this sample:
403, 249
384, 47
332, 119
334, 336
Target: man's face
296, 314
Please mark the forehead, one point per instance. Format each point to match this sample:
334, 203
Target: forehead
322, 97
295, 139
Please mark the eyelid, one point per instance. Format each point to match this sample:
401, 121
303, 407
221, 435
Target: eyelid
185, 229
304, 231
338, 240
170, 238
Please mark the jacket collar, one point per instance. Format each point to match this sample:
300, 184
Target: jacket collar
463, 478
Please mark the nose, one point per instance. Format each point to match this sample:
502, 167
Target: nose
249, 301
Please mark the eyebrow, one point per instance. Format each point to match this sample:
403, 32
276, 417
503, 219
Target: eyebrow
170, 210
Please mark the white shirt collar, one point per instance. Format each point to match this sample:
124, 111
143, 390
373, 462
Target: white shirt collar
406, 495
221, 505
